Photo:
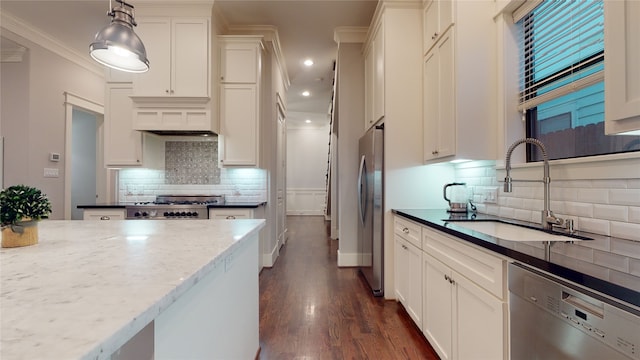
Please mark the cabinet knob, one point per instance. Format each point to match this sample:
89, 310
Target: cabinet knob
435, 35
166, 91
230, 217
405, 230
105, 218
434, 152
404, 246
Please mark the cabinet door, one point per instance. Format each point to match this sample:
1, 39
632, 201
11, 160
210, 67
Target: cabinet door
156, 36
431, 105
368, 89
189, 57
413, 304
480, 322
379, 73
622, 66
239, 63
438, 17
123, 145
401, 270
438, 306
239, 125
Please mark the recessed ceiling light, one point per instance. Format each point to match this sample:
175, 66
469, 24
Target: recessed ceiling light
308, 121
306, 93
308, 62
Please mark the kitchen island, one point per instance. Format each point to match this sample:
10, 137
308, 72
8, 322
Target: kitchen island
132, 289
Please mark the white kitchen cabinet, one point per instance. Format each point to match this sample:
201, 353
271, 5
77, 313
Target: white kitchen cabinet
438, 17
240, 100
103, 214
374, 76
240, 59
622, 66
465, 299
230, 213
179, 51
239, 125
124, 146
408, 268
459, 82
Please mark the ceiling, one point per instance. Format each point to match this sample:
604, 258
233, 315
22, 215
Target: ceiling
305, 28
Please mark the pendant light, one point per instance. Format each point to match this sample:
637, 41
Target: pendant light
117, 45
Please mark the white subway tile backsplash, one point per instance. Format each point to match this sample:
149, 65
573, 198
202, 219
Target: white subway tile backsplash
634, 214
595, 226
633, 184
610, 212
574, 251
611, 261
610, 184
592, 269
628, 248
625, 230
625, 197
596, 196
599, 243
634, 267
577, 209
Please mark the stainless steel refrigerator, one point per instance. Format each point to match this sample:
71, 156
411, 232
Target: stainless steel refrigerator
370, 209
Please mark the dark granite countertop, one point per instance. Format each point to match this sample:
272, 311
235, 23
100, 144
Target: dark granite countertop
525, 252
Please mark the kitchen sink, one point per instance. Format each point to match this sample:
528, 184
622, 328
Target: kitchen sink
514, 232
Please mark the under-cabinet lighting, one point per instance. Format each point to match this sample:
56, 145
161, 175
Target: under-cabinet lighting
308, 62
306, 93
308, 121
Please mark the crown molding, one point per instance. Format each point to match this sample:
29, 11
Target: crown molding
35, 35
350, 34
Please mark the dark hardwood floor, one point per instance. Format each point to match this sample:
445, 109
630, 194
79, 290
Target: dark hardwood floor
311, 309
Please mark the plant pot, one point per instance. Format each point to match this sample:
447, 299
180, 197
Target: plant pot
24, 233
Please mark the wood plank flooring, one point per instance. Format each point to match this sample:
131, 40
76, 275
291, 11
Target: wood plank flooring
311, 309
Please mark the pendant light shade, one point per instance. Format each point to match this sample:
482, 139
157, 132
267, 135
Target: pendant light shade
117, 45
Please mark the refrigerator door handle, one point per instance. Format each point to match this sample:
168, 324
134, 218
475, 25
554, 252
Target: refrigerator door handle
360, 190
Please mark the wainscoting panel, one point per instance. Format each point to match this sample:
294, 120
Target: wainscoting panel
305, 201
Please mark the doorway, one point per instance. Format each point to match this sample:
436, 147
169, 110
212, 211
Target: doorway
87, 181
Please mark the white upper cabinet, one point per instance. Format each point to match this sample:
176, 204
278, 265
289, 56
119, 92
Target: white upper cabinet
438, 17
459, 74
622, 66
179, 57
374, 76
240, 62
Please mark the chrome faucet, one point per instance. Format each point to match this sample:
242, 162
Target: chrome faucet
549, 220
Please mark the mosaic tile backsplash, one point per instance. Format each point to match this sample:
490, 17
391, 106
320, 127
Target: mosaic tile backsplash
191, 162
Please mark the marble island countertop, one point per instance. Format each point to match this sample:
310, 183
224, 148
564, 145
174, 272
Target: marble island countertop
88, 287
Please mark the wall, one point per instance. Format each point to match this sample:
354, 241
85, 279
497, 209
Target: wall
307, 151
33, 118
601, 206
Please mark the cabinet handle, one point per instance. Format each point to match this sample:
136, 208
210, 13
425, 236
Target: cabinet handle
230, 217
435, 35
405, 230
166, 91
404, 247
105, 218
446, 277
434, 152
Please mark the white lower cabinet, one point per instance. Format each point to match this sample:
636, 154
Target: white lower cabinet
103, 214
230, 214
461, 318
408, 274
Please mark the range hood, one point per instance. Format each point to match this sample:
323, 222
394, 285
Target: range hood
202, 133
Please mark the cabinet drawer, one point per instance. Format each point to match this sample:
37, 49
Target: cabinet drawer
103, 214
484, 269
409, 231
230, 214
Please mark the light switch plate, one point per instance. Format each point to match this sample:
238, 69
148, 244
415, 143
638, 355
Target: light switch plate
51, 173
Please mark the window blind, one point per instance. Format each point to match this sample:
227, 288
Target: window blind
562, 49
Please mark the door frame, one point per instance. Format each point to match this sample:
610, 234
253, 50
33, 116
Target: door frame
72, 101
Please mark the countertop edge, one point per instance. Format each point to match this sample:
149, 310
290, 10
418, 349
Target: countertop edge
247, 205
129, 330
616, 291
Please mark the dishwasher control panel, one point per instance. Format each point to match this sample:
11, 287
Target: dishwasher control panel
596, 316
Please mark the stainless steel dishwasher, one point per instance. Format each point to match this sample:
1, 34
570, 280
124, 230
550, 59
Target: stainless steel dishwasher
551, 318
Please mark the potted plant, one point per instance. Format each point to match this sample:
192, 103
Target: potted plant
21, 207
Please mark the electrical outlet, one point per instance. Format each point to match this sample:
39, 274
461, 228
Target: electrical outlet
491, 195
51, 173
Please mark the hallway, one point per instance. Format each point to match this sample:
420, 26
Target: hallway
311, 309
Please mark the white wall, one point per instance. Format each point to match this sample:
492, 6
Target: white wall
33, 115
307, 151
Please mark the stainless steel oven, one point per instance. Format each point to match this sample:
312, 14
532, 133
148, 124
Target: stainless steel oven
551, 318
174, 207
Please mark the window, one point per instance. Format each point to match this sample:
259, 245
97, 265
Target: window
562, 80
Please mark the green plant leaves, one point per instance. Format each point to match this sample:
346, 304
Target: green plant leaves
20, 201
